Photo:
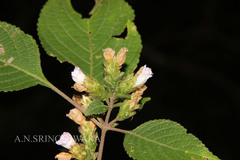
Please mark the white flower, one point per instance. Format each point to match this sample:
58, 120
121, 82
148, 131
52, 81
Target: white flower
78, 76
66, 140
143, 75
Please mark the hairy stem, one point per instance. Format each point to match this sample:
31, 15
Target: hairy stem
105, 126
100, 150
72, 102
113, 121
110, 106
121, 130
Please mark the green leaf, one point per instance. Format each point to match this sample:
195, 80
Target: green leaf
96, 107
165, 140
143, 101
19, 60
65, 34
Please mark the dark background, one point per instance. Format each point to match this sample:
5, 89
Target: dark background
193, 49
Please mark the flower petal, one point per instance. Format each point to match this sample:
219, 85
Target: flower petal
77, 75
66, 140
143, 76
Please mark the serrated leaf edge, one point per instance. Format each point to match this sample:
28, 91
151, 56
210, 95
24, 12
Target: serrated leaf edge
164, 145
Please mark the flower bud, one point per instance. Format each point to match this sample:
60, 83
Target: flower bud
63, 156
129, 106
66, 140
86, 101
143, 75
77, 99
108, 54
76, 116
95, 88
121, 56
78, 76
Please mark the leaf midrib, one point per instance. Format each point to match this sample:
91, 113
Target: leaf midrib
43, 80
161, 144
90, 48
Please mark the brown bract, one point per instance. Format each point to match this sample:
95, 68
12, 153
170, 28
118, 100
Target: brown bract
135, 97
77, 99
108, 54
76, 116
63, 156
139, 71
121, 56
79, 87
138, 93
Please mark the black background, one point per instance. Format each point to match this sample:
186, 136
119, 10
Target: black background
193, 49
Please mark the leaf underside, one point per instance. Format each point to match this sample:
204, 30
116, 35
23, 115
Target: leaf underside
80, 41
96, 107
165, 140
19, 59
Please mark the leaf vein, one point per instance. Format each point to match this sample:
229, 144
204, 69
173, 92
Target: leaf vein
70, 17
65, 30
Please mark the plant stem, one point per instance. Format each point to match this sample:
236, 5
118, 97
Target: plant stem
105, 127
100, 150
113, 121
121, 130
108, 116
72, 102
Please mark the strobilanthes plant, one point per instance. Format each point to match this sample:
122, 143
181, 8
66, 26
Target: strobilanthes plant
104, 76
116, 91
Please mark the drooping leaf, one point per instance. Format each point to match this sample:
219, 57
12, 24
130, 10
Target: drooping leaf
80, 41
96, 107
165, 140
19, 60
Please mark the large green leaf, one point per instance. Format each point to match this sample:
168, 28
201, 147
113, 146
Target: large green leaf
19, 60
165, 140
65, 34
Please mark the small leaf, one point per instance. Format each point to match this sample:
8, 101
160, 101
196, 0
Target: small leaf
96, 107
165, 140
143, 101
19, 60
65, 34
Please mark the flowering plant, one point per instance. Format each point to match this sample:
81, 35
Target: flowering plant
105, 81
108, 92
